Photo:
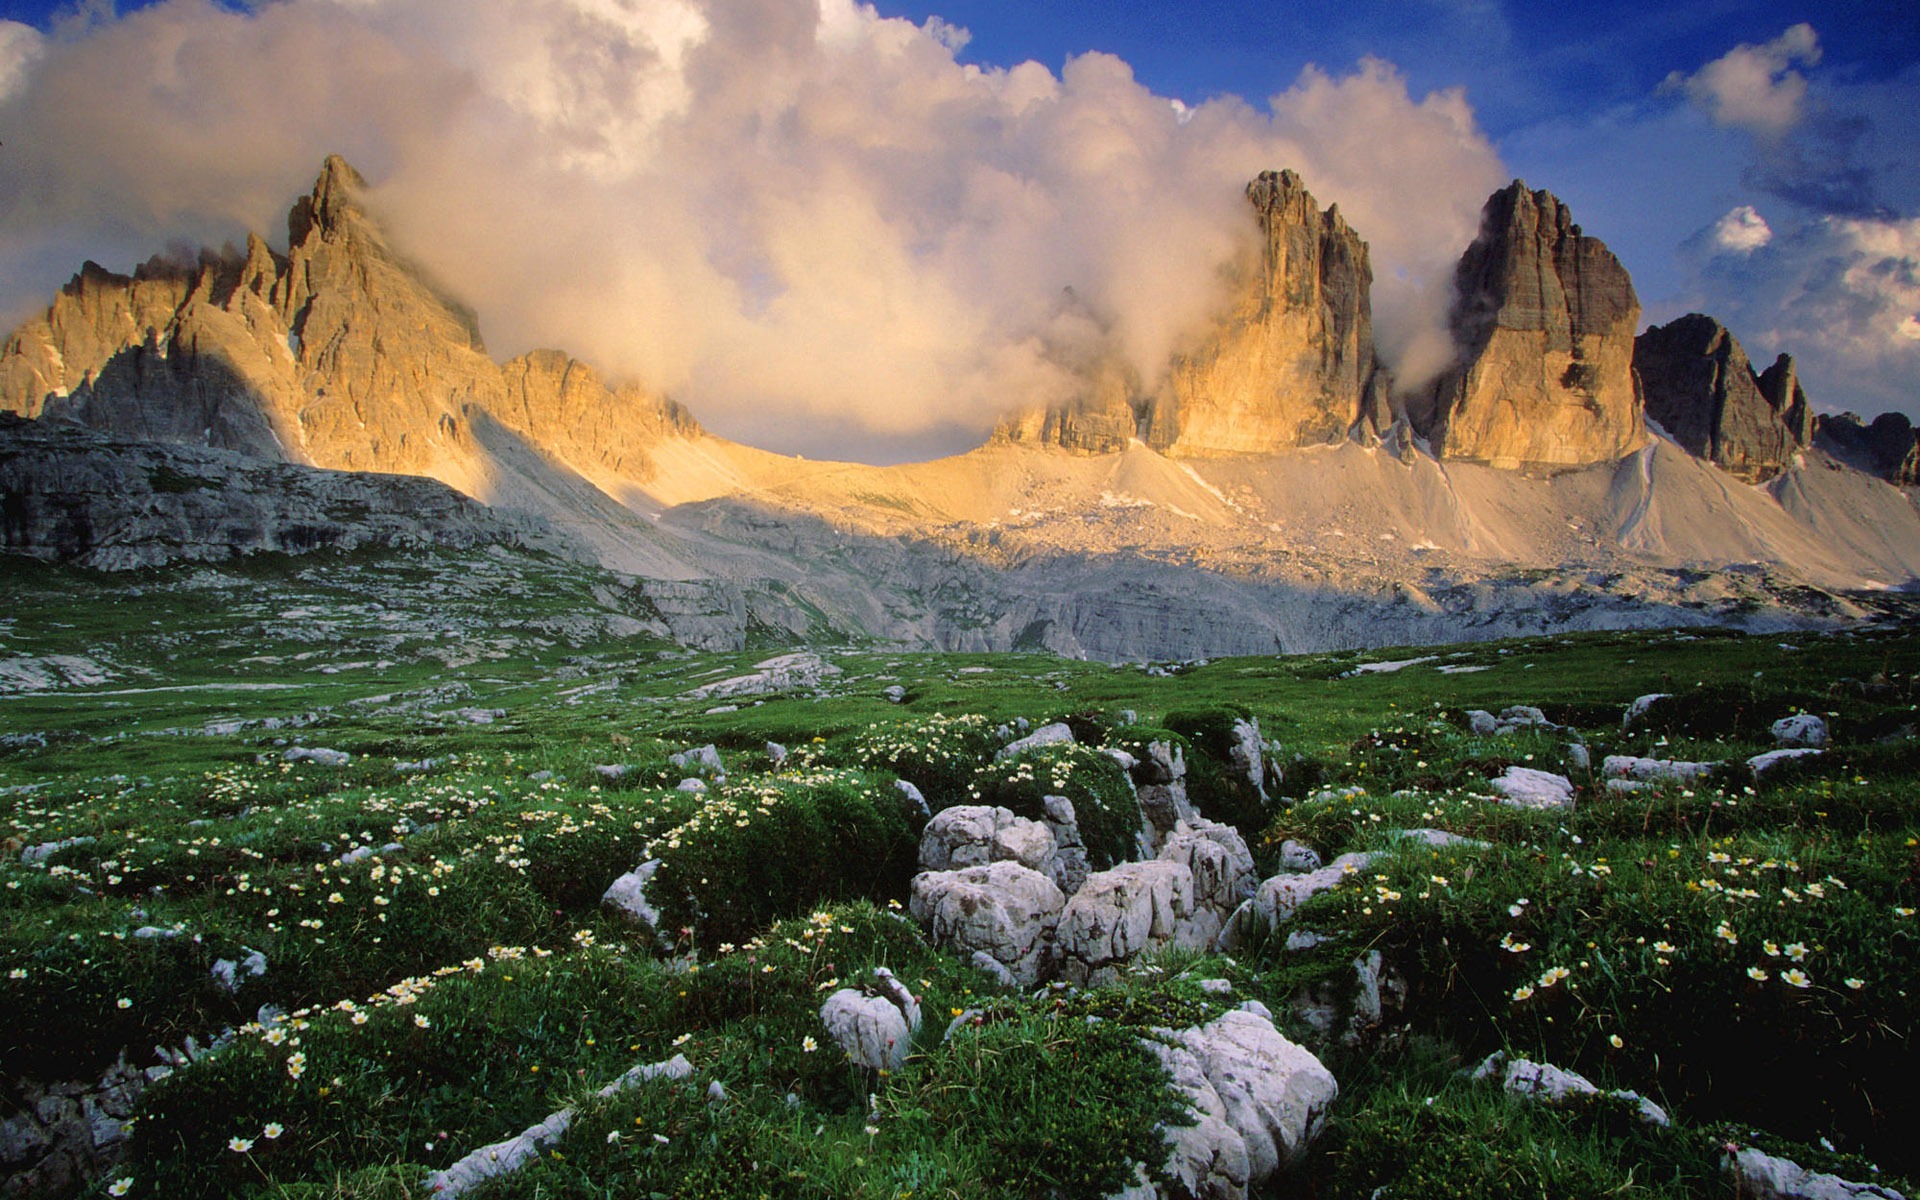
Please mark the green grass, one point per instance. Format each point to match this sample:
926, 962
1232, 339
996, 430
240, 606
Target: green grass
1751, 945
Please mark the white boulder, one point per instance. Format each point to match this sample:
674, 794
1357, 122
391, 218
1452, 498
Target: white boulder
1524, 787
1118, 914
1801, 729
874, 1025
1003, 909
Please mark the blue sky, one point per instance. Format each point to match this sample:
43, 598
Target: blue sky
1759, 161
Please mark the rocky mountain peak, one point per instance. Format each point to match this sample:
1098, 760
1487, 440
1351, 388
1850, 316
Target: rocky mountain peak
1289, 362
332, 208
1543, 318
1705, 393
1888, 447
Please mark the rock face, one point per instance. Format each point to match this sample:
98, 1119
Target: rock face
1290, 363
1004, 910
1544, 321
1889, 447
1703, 391
340, 354
70, 495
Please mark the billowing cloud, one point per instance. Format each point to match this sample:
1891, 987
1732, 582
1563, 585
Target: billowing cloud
20, 45
1742, 230
1755, 87
808, 222
1841, 294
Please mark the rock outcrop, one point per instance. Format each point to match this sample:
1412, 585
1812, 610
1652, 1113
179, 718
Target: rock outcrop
1889, 447
70, 495
339, 354
1544, 321
1289, 363
1702, 390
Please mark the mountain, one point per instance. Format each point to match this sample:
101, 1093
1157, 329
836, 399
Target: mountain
1889, 447
1703, 391
1543, 321
1243, 506
1289, 363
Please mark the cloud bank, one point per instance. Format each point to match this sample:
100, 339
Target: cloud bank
810, 223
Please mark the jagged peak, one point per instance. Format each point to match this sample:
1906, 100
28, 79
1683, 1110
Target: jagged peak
332, 205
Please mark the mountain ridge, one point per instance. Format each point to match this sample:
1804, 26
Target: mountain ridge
341, 355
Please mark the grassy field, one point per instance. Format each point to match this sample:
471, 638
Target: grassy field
439, 974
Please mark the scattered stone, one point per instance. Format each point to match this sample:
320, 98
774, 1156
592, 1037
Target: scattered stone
362, 853
1760, 764
1654, 770
1579, 758
505, 1157
1047, 735
895, 694
626, 900
612, 772
1003, 909
913, 797
1275, 900
785, 672
417, 767
690, 784
1524, 787
1801, 729
1639, 707
1367, 997
1765, 1176
1298, 857
777, 755
318, 755
46, 850
875, 1026
1482, 722
1070, 863
1441, 839
1555, 1086
704, 761
1248, 754
61, 1135
227, 973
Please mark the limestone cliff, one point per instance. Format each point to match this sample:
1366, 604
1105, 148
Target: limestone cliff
72, 495
1544, 318
1289, 363
1889, 447
1704, 392
340, 354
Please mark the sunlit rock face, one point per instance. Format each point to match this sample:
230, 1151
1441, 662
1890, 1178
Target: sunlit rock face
341, 354
1290, 362
1544, 320
1703, 391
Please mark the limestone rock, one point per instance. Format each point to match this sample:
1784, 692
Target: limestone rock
109, 503
1544, 321
1221, 866
1801, 729
1889, 447
1289, 363
1258, 1098
1004, 909
1275, 900
1292, 363
626, 899
1760, 764
1121, 912
1654, 770
875, 1026
1765, 1176
1702, 390
971, 835
781, 673
1524, 787
1551, 1085
1047, 735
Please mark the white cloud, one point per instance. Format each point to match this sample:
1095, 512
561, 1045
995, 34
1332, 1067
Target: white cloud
20, 45
794, 214
1841, 294
1742, 231
1755, 87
